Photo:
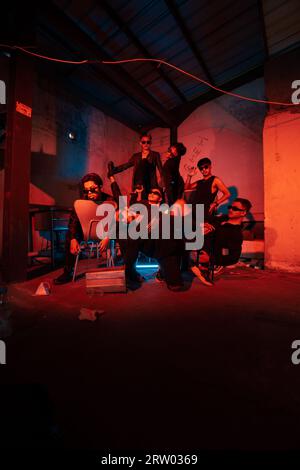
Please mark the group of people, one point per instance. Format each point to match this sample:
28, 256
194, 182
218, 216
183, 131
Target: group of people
222, 234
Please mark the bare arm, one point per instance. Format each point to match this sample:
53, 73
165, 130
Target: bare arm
220, 186
188, 185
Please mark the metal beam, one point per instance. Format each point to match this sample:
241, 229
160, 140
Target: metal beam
55, 18
263, 28
173, 135
187, 36
183, 111
131, 36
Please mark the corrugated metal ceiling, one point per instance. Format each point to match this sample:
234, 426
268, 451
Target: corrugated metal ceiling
217, 41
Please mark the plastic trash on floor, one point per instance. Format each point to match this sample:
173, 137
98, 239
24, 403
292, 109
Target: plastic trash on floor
43, 289
90, 314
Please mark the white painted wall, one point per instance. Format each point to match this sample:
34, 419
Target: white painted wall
229, 132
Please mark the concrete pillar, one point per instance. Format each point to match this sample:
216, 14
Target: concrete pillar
17, 169
281, 147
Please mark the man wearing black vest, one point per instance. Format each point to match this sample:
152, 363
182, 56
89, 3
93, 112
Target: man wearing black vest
206, 190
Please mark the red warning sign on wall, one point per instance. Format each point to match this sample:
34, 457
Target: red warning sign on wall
23, 109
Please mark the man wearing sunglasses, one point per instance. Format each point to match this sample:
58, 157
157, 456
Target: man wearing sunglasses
207, 189
168, 252
90, 187
144, 163
223, 239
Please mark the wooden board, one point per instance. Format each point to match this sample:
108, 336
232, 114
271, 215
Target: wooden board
106, 280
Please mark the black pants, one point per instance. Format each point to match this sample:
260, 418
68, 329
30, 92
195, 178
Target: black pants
69, 258
169, 259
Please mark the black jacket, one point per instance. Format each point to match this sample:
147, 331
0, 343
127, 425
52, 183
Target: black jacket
154, 162
225, 242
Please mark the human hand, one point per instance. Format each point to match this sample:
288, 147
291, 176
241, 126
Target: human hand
212, 207
104, 244
191, 170
207, 228
74, 246
110, 168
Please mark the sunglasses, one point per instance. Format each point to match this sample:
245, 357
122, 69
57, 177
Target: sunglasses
91, 190
157, 193
204, 167
146, 141
235, 209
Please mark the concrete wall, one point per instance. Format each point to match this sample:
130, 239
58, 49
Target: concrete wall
282, 197
229, 131
57, 162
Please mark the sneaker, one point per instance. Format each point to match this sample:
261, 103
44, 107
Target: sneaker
201, 275
65, 277
134, 276
175, 287
159, 277
218, 270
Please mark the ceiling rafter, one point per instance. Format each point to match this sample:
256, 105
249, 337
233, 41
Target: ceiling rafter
119, 77
183, 111
263, 28
187, 36
137, 43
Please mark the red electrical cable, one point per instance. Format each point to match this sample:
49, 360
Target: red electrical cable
200, 80
159, 61
79, 62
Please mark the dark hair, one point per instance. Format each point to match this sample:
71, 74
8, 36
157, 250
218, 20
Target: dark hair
145, 134
90, 177
204, 161
158, 188
161, 193
181, 149
244, 202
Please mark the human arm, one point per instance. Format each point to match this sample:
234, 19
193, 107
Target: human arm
219, 186
124, 166
160, 168
188, 185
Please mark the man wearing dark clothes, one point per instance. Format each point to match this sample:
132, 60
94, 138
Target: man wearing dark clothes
90, 188
223, 239
168, 252
206, 189
173, 180
144, 165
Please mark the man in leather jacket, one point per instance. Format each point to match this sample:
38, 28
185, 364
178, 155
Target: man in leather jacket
144, 165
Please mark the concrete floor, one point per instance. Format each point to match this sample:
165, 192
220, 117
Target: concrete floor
209, 368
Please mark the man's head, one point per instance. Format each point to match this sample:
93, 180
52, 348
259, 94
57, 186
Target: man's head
90, 186
204, 165
155, 196
239, 208
145, 141
177, 149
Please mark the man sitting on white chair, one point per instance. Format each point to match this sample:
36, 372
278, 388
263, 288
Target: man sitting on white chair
90, 188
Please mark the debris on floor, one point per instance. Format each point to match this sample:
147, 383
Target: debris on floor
90, 314
43, 289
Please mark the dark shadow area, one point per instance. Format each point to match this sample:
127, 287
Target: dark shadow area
205, 369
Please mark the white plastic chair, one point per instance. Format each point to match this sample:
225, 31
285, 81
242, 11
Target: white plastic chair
86, 212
